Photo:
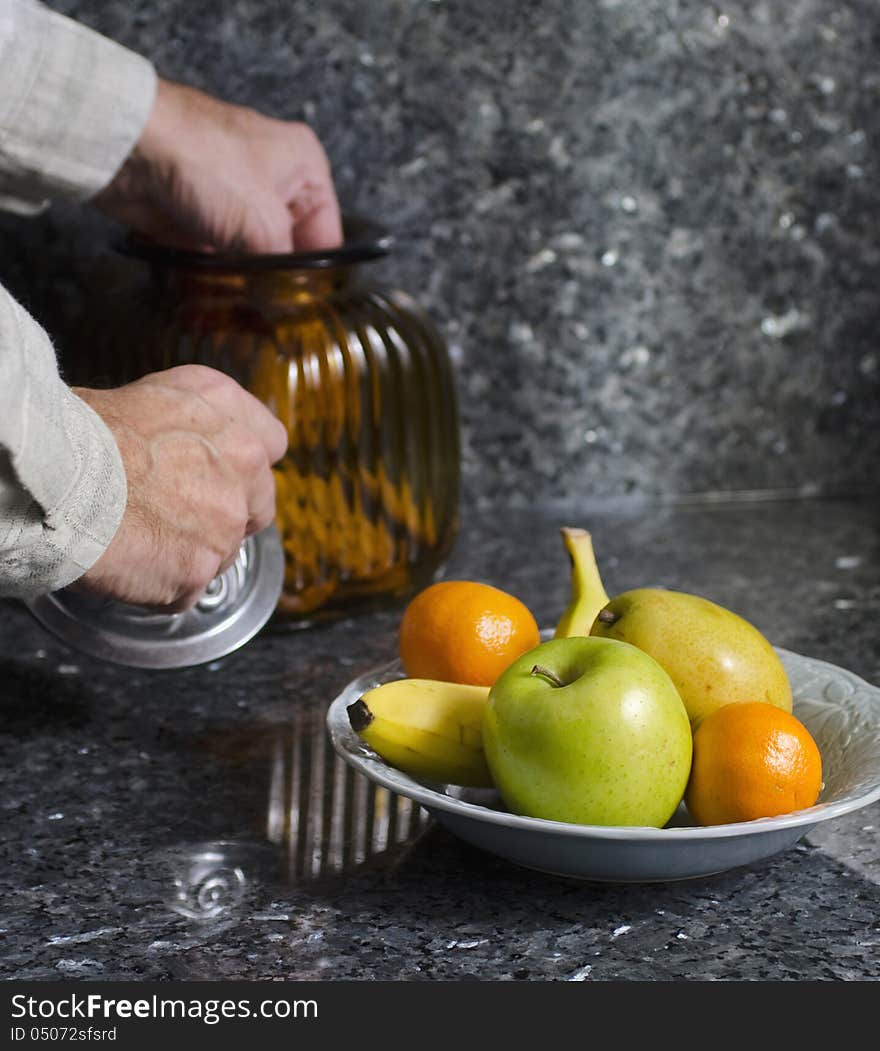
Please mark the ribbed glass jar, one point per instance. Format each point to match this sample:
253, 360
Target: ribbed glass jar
367, 494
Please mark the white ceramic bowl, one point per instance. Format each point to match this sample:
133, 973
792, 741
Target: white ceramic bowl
841, 711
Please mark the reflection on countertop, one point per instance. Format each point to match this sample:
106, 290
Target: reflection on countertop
197, 823
327, 818
322, 820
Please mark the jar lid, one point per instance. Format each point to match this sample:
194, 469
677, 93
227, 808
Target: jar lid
232, 609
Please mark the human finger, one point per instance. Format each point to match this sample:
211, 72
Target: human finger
233, 402
263, 228
318, 227
246, 455
261, 504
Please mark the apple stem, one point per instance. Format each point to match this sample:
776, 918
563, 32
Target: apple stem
608, 616
539, 669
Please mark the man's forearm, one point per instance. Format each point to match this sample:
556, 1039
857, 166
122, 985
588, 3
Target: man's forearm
62, 482
72, 105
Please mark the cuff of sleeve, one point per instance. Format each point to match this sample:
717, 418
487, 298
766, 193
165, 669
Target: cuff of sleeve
88, 519
83, 104
45, 551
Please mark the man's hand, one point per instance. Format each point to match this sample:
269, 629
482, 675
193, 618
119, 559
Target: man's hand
197, 450
206, 174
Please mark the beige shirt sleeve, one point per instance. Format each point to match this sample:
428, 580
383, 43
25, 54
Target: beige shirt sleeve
72, 105
62, 483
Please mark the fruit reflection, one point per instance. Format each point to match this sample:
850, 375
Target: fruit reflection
328, 818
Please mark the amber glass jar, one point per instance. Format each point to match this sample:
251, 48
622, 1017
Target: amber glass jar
360, 376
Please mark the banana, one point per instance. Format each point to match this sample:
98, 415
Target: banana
426, 728
587, 590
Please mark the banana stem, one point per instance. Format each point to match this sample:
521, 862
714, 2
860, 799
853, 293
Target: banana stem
545, 673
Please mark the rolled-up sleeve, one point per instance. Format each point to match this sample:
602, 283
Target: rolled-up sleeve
72, 105
62, 481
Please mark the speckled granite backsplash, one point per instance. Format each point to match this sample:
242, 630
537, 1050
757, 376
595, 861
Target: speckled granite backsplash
649, 229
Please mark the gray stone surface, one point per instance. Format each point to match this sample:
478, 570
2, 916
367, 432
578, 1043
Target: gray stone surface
160, 826
648, 228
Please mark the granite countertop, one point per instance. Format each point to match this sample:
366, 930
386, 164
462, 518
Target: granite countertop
640, 225
167, 826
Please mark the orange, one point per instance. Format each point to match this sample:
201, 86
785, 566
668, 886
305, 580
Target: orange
464, 631
751, 760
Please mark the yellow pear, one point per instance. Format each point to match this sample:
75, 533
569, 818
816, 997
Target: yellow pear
713, 656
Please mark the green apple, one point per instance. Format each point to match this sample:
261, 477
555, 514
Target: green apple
590, 731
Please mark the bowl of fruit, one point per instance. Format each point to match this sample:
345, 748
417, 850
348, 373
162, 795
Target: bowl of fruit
652, 736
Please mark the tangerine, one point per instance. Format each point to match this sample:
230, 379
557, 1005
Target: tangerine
751, 760
464, 631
